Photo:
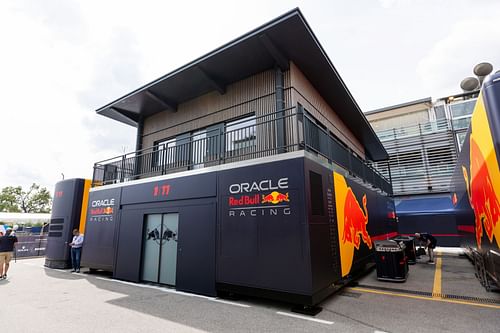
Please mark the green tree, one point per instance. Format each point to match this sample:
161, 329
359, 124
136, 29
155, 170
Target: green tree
9, 199
35, 200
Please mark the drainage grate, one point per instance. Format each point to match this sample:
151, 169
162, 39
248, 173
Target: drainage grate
425, 293
350, 294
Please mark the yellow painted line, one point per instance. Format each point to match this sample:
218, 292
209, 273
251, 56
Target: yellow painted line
424, 298
436, 289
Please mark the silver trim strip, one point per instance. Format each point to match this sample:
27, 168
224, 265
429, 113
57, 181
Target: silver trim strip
233, 165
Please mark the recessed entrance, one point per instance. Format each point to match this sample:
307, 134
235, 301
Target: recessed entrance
159, 249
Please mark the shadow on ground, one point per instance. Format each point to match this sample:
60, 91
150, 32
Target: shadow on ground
195, 311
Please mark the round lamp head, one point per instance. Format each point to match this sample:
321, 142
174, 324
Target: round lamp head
483, 69
469, 84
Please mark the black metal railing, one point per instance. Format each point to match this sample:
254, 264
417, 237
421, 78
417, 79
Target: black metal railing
284, 131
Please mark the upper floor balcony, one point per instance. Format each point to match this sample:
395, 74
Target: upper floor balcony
284, 131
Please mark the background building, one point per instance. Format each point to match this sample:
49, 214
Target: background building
423, 139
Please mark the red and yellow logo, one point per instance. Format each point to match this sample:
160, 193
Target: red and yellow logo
483, 185
352, 220
275, 198
101, 211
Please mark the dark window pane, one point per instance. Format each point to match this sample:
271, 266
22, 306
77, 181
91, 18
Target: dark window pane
316, 184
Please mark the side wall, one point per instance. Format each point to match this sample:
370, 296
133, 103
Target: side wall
303, 92
255, 94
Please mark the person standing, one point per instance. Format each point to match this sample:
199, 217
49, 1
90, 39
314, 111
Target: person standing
429, 242
76, 250
7, 244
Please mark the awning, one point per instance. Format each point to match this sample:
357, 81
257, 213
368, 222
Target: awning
286, 38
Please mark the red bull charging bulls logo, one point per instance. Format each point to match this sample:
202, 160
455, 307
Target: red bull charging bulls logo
483, 182
355, 221
352, 220
275, 198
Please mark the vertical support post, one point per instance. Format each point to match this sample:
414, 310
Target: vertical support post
164, 153
454, 137
138, 146
93, 176
301, 129
390, 175
222, 144
425, 159
349, 153
280, 110
123, 169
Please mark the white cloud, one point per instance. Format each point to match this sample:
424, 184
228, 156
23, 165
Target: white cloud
394, 3
469, 42
62, 59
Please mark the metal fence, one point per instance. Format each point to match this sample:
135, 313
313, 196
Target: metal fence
280, 132
30, 246
422, 157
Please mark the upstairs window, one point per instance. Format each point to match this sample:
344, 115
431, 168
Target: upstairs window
165, 152
240, 134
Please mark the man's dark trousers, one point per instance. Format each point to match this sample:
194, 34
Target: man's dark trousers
76, 254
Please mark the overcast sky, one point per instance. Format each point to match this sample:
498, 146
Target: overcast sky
62, 59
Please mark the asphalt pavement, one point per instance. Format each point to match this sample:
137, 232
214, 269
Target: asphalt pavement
38, 299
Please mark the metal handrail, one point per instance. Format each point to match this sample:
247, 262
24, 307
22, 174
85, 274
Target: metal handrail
429, 127
219, 146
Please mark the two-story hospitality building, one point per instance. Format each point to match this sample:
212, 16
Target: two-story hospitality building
252, 174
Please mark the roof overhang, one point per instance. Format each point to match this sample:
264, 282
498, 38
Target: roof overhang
284, 39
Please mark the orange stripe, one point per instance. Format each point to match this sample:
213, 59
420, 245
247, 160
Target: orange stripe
85, 201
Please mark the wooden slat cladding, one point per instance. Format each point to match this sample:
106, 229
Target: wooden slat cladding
303, 92
255, 94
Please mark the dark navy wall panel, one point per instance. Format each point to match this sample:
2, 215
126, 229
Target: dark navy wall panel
100, 229
196, 186
129, 246
196, 242
66, 208
263, 237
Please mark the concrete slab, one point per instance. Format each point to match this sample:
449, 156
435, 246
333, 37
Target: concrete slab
458, 279
42, 300
420, 277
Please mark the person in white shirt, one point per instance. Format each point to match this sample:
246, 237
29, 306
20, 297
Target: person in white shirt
76, 250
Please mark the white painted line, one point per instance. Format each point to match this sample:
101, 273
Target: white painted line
321, 321
449, 250
231, 303
173, 291
167, 290
380, 332
164, 289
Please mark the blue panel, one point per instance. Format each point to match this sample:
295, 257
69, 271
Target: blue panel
425, 206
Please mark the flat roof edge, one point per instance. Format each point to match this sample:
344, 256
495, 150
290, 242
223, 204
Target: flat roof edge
397, 106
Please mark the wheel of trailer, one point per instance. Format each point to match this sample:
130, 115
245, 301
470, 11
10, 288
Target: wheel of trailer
475, 262
480, 269
483, 275
487, 280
